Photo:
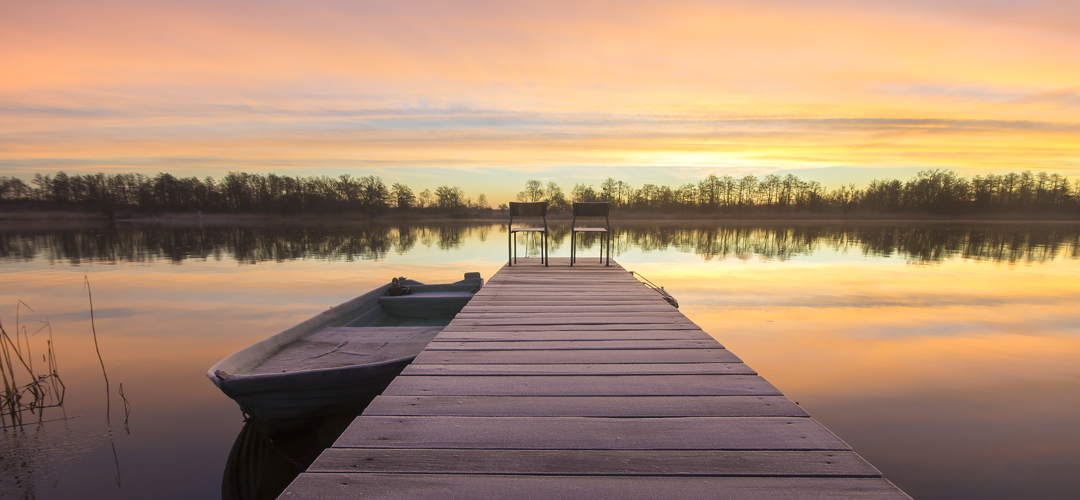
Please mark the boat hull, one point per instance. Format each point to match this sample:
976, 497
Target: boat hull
278, 403
340, 359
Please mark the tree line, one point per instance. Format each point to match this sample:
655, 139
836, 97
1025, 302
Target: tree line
930, 191
236, 192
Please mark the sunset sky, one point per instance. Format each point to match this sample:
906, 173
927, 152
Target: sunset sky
485, 95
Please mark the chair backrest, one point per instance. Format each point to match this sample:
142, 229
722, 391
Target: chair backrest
533, 209
591, 208
537, 209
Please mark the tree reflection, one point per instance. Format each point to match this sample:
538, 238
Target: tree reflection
918, 243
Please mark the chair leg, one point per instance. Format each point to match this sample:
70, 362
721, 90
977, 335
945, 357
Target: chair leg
546, 257
509, 249
573, 239
608, 248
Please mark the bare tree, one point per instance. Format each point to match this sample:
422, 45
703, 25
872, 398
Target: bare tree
534, 191
403, 196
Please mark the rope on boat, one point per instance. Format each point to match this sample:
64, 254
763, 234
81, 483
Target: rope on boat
659, 289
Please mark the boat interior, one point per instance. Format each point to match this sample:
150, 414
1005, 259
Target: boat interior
387, 329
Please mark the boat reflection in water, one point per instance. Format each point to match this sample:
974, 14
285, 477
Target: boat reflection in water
261, 467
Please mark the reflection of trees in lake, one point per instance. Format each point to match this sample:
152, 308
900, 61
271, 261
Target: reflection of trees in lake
531, 242
741, 242
249, 244
245, 244
917, 243
1012, 243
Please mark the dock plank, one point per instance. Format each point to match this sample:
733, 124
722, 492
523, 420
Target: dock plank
624, 314
427, 369
457, 327
583, 385
526, 487
718, 355
594, 433
534, 335
555, 345
586, 406
596, 462
554, 320
530, 307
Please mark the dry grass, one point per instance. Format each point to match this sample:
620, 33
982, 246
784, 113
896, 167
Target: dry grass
26, 390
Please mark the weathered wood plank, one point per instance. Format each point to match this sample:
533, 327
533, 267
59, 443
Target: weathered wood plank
586, 406
666, 314
454, 327
564, 295
554, 345
536, 318
577, 433
558, 264
570, 285
583, 385
531, 307
425, 369
718, 355
527, 487
584, 301
536, 335
555, 319
596, 462
565, 276
573, 282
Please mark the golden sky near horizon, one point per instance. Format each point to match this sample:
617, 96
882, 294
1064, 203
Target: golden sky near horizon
491, 92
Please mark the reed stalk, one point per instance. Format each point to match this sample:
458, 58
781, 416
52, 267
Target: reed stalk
108, 396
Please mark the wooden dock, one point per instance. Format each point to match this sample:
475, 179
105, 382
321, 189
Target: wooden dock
559, 382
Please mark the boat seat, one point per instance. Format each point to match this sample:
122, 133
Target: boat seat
427, 305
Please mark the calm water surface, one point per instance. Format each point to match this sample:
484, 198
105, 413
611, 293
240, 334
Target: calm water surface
947, 355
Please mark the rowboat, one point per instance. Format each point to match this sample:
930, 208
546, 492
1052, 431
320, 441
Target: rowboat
336, 361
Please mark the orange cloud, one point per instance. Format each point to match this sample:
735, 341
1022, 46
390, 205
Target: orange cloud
207, 87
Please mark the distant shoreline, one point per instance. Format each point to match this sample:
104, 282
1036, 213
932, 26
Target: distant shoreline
55, 219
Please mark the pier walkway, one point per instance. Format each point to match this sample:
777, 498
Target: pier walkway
559, 382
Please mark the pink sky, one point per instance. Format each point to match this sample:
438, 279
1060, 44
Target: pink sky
488, 94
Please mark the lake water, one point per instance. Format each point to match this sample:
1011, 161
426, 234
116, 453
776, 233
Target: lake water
946, 355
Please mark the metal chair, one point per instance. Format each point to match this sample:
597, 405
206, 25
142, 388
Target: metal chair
535, 210
593, 210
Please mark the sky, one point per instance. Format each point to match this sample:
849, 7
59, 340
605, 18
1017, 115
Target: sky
486, 94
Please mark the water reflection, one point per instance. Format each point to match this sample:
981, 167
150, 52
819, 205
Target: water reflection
918, 243
261, 467
957, 379
177, 243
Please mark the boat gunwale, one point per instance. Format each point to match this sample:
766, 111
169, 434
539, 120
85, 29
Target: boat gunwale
235, 381
264, 348
295, 332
